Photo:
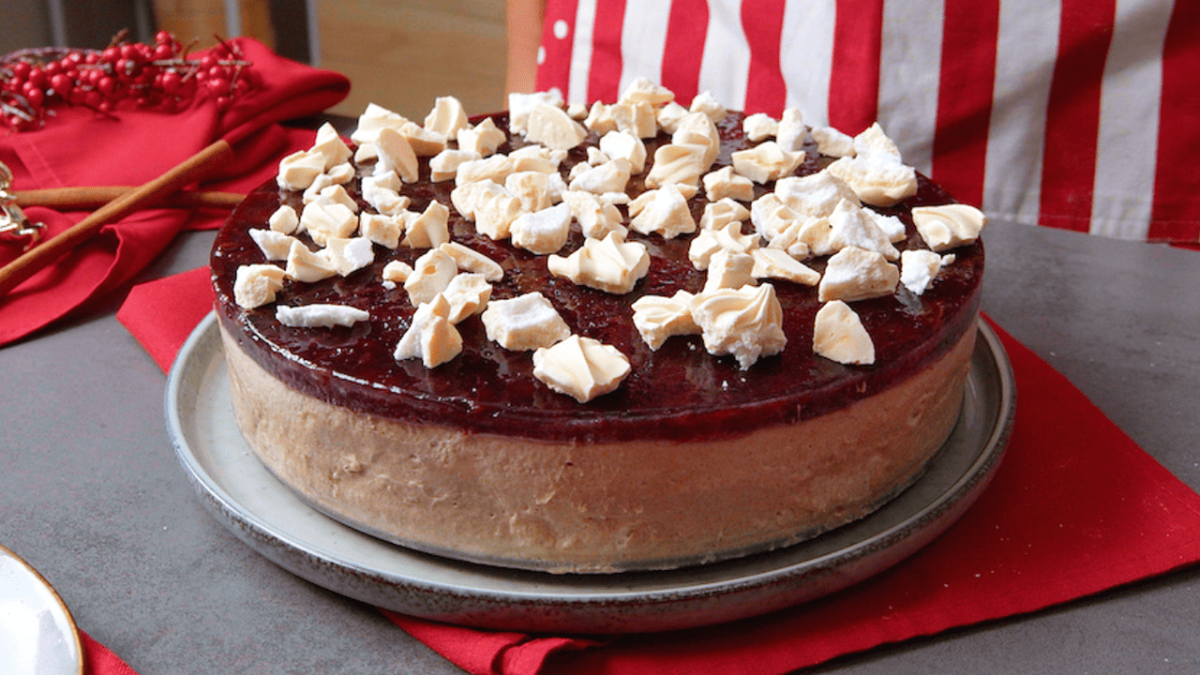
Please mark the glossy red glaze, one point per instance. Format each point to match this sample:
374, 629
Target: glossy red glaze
678, 393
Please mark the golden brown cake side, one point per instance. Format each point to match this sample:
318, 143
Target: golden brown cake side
568, 507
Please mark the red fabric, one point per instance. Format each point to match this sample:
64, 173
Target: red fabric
1075, 508
1073, 115
854, 79
965, 98
684, 41
604, 83
1177, 192
762, 22
98, 660
78, 148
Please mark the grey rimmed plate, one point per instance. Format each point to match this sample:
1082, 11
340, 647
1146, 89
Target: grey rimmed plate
268, 517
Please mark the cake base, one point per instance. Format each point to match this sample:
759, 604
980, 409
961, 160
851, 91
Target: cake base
604, 507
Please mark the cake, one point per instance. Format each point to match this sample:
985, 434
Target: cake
688, 384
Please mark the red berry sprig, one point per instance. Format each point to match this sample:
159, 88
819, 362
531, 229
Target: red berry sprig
159, 76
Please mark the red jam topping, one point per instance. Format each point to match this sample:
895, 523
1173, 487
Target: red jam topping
678, 393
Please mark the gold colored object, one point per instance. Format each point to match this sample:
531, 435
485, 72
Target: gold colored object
12, 217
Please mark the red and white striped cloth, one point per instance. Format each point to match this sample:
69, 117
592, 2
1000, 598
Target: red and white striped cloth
1079, 114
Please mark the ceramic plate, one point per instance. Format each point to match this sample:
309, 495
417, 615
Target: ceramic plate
37, 634
267, 516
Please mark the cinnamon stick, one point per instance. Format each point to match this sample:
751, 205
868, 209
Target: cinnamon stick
89, 198
187, 172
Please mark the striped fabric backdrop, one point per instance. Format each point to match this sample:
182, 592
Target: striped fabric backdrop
1080, 114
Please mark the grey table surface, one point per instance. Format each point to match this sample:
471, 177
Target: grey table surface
91, 493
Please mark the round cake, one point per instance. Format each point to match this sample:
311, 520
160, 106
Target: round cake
722, 416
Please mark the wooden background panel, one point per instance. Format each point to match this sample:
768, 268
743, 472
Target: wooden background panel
404, 54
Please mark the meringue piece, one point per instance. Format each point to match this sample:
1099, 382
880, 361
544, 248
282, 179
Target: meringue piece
746, 323
323, 221
374, 118
382, 193
341, 173
771, 216
635, 117
483, 139
766, 162
893, 228
816, 194
599, 119
396, 272
759, 127
773, 263
790, 240
308, 266
431, 336
381, 229
581, 368
596, 156
610, 264
877, 181
531, 188
468, 294
857, 274
524, 323
495, 215
697, 129
468, 197
336, 194
729, 238
256, 285
320, 316
431, 274
832, 142
792, 131
670, 116
666, 214
817, 234
553, 128
873, 143
596, 217
495, 168
612, 176
447, 117
677, 164
430, 229
542, 232
718, 214
626, 146
853, 226
284, 220
274, 245
537, 158
349, 255
395, 155
577, 111
708, 105
424, 142
298, 170
470, 260
643, 90
949, 226
725, 184
521, 105
918, 268
839, 335
330, 147
727, 269
658, 318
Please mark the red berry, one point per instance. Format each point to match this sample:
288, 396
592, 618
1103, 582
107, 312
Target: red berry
35, 98
163, 37
217, 86
106, 85
163, 52
21, 70
52, 68
171, 81
61, 84
110, 55
37, 77
128, 51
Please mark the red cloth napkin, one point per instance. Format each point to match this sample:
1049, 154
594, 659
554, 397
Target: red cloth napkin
78, 147
1075, 508
98, 660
